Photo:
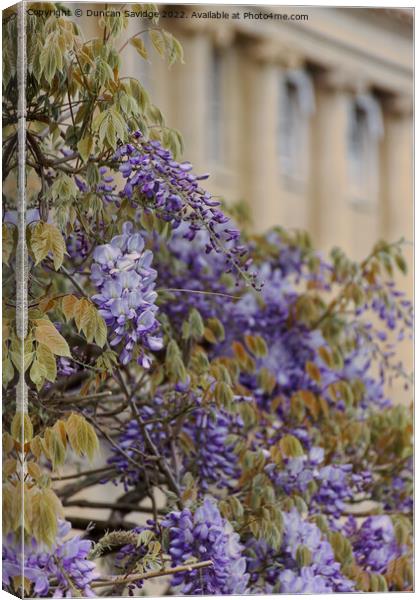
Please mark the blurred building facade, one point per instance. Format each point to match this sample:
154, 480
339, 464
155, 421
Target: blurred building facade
309, 122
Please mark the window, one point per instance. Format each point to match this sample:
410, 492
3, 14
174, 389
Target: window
296, 105
216, 107
365, 128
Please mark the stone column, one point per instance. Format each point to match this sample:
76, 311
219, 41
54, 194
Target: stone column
186, 93
397, 171
260, 98
329, 206
397, 208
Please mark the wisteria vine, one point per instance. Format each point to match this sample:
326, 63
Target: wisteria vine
225, 397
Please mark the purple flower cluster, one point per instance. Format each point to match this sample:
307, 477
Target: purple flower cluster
212, 461
283, 571
337, 485
184, 265
130, 555
174, 192
397, 493
78, 244
206, 535
104, 187
375, 544
324, 487
132, 445
123, 274
63, 570
394, 309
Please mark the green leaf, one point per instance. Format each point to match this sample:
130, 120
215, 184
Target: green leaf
291, 446
342, 548
87, 319
68, 304
36, 374
63, 187
46, 333
196, 325
54, 447
46, 509
8, 371
139, 46
85, 147
401, 263
48, 61
45, 238
101, 331
223, 394
82, 436
47, 362
158, 41
303, 556
103, 73
22, 427
16, 356
9, 238
110, 127
128, 105
174, 364
256, 344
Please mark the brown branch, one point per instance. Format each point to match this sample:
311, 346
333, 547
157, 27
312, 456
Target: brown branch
100, 526
149, 442
83, 473
153, 574
126, 506
73, 488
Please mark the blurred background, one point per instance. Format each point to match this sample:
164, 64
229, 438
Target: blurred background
307, 121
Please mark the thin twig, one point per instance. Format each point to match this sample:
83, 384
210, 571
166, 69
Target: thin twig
153, 574
78, 399
83, 473
199, 292
73, 280
126, 506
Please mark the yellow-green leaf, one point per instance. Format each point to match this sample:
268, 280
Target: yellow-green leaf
45, 239
82, 436
8, 241
46, 333
85, 146
22, 426
68, 304
47, 362
139, 46
291, 446
46, 509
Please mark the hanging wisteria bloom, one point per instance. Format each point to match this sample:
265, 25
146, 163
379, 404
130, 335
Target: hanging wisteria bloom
123, 274
210, 458
206, 535
213, 460
174, 192
305, 562
62, 570
375, 542
128, 457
